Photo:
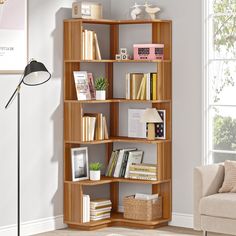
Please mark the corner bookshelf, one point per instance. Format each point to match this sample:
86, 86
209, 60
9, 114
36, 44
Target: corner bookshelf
73, 112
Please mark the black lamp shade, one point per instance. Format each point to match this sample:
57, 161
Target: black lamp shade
35, 74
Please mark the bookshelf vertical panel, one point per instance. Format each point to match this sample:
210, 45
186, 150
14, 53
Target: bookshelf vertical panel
73, 113
67, 202
161, 33
165, 192
109, 76
164, 84
164, 162
114, 116
114, 40
72, 40
109, 149
69, 84
114, 195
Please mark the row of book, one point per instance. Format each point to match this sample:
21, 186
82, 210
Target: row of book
143, 171
100, 209
94, 127
120, 161
96, 209
141, 86
84, 85
90, 46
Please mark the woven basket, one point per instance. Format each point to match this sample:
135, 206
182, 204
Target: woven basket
142, 209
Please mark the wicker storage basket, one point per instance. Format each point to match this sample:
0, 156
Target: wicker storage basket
142, 209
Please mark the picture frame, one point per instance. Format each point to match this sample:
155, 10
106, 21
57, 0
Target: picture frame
14, 43
79, 164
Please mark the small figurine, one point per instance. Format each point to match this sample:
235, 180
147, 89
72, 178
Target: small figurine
136, 11
151, 11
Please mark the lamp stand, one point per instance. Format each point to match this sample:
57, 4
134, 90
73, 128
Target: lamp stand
151, 131
18, 161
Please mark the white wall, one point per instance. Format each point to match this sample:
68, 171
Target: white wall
42, 122
42, 110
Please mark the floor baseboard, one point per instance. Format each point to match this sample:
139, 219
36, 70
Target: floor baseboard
53, 223
35, 226
178, 219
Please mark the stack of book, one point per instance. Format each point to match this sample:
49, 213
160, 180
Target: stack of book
86, 208
94, 127
90, 46
121, 160
141, 86
100, 209
84, 85
143, 171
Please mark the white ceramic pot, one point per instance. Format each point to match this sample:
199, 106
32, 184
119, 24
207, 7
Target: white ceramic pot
100, 95
95, 175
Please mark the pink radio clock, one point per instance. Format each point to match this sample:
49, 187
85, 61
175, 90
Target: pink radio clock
148, 51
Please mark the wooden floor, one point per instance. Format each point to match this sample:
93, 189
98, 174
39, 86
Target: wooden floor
118, 231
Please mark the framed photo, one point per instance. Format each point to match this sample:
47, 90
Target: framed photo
79, 164
13, 40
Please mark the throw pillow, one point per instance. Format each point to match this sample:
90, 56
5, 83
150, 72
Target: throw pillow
229, 184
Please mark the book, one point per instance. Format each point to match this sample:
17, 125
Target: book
110, 163
100, 202
91, 85
142, 177
143, 91
100, 209
127, 81
137, 172
134, 157
136, 129
86, 208
140, 88
120, 160
98, 52
142, 196
154, 86
95, 218
81, 85
148, 86
106, 136
143, 167
135, 80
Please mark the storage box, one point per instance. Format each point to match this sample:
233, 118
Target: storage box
147, 210
87, 10
148, 51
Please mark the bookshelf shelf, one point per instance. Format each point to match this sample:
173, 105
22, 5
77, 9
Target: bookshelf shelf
117, 100
117, 61
74, 110
108, 180
120, 139
115, 22
119, 220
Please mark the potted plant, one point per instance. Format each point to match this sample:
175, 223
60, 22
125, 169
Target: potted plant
101, 85
95, 171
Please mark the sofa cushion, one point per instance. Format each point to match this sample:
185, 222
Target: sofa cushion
229, 184
219, 205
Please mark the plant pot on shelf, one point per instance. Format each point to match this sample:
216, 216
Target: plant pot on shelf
95, 175
100, 94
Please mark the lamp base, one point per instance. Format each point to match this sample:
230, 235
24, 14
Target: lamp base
151, 131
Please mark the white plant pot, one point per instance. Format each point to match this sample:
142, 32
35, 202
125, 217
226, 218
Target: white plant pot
100, 95
95, 175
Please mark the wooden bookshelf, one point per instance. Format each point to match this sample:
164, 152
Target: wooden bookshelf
74, 110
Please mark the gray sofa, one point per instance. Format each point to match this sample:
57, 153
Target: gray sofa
213, 211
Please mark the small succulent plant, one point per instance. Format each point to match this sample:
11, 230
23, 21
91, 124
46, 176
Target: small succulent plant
95, 166
101, 83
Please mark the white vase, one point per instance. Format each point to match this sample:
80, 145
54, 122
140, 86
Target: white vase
100, 94
95, 175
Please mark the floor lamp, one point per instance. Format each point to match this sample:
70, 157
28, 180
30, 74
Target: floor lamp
35, 73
